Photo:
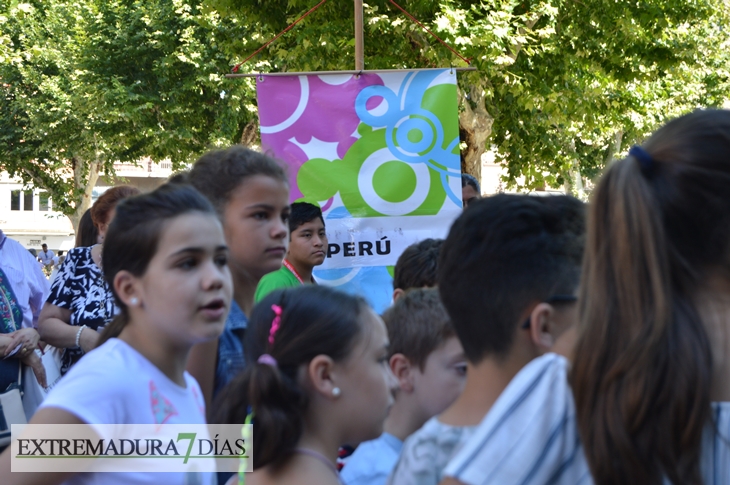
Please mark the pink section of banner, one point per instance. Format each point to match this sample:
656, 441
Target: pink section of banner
295, 109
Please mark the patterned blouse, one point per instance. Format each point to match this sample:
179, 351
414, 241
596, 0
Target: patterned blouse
81, 288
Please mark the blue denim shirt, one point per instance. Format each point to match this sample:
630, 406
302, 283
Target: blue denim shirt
230, 349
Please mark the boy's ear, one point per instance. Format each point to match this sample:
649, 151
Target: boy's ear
397, 293
542, 327
403, 372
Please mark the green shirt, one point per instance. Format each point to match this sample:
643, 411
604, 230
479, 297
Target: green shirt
282, 278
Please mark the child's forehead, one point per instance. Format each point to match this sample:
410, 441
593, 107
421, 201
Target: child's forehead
315, 223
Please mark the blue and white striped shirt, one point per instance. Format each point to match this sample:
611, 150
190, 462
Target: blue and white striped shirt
530, 436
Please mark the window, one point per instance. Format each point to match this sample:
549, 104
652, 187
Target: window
15, 200
43, 202
28, 200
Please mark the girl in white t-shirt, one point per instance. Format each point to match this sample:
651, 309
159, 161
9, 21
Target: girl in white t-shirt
318, 377
165, 258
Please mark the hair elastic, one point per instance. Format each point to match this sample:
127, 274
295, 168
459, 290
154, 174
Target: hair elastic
247, 440
646, 162
267, 359
275, 323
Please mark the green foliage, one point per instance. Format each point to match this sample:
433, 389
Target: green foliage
566, 83
100, 81
560, 78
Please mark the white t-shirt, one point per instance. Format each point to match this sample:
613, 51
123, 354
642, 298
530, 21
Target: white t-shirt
426, 453
115, 384
46, 257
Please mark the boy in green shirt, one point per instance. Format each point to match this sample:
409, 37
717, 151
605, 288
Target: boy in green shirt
307, 249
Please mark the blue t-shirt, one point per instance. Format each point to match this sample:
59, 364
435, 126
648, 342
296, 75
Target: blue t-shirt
372, 461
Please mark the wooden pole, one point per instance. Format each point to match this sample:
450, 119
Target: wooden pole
359, 48
321, 73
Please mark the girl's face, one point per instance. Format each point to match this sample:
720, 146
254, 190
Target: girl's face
366, 382
186, 290
255, 224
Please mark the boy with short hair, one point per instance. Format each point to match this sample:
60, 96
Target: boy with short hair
470, 190
307, 249
416, 266
508, 276
428, 362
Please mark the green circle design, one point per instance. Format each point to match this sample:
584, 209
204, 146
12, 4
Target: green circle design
394, 181
414, 136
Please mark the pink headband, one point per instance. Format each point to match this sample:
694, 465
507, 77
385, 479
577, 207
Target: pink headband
275, 323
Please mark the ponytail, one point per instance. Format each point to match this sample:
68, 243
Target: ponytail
643, 364
277, 404
287, 330
114, 328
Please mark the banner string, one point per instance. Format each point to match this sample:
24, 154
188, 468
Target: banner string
311, 10
238, 66
468, 61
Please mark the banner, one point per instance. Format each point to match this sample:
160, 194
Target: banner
379, 153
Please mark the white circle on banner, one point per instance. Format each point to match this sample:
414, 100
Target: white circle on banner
339, 281
335, 79
365, 185
303, 100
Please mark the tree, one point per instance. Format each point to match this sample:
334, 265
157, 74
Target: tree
562, 85
87, 83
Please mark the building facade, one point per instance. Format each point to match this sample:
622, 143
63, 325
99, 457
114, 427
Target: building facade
27, 214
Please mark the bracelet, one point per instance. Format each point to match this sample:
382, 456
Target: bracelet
78, 334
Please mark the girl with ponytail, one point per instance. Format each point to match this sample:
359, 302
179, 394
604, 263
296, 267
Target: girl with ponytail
646, 399
317, 377
165, 260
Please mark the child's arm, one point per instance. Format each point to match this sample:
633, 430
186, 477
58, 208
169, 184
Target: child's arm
48, 415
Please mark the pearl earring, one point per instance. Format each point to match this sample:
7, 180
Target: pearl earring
336, 392
134, 301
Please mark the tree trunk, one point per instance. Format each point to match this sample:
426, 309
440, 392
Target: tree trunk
573, 177
475, 127
86, 174
250, 134
614, 148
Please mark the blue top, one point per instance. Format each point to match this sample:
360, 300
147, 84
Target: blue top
372, 461
230, 349
530, 436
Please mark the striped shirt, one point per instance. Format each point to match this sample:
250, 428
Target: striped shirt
530, 436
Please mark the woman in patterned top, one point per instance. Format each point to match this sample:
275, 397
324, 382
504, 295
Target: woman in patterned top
80, 299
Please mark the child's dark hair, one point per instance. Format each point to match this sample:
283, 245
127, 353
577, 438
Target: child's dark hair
133, 236
218, 173
86, 232
659, 231
315, 320
417, 325
301, 213
470, 180
501, 255
416, 266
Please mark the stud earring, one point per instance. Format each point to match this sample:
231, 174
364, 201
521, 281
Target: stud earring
134, 301
336, 392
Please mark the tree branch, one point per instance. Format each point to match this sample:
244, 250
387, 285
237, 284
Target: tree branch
518, 47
